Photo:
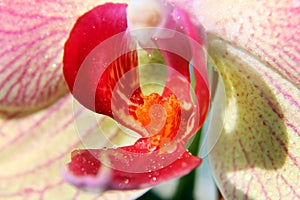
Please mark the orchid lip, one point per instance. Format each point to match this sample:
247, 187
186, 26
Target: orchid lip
107, 82
127, 78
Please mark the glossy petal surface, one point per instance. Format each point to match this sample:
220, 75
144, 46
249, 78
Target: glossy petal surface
267, 29
97, 76
33, 34
41, 144
84, 170
256, 154
262, 141
92, 71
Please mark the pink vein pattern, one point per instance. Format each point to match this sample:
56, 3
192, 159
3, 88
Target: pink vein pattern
261, 160
32, 37
35, 147
31, 166
267, 29
261, 131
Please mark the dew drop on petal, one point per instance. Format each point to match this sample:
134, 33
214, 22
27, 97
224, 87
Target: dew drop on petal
126, 181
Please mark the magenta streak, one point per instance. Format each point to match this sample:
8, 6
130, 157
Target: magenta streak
59, 130
3, 124
287, 97
49, 81
11, 63
293, 127
13, 49
34, 17
29, 191
248, 188
284, 146
265, 193
271, 47
24, 133
16, 13
21, 74
285, 94
253, 173
290, 186
14, 60
278, 186
38, 82
276, 136
274, 108
40, 25
283, 71
292, 72
40, 67
75, 195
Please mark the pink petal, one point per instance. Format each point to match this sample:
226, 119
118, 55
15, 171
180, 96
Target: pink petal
32, 38
33, 151
33, 148
267, 29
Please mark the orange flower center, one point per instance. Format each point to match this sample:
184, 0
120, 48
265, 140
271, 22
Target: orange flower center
160, 116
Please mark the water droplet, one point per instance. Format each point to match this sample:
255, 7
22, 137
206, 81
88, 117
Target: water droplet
126, 181
93, 27
154, 179
149, 55
54, 65
268, 176
181, 27
178, 17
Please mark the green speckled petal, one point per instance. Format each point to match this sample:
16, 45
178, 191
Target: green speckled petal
256, 154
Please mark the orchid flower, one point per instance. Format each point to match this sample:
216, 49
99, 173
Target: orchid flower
252, 45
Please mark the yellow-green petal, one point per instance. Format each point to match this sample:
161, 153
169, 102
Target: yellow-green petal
256, 156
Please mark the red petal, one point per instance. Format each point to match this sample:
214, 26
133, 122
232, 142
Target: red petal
97, 56
84, 163
185, 47
89, 77
181, 166
85, 176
